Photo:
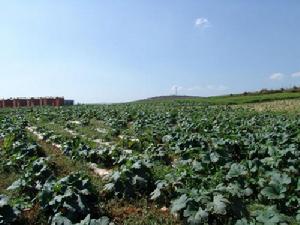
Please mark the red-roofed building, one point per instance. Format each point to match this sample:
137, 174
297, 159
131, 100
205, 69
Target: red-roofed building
31, 102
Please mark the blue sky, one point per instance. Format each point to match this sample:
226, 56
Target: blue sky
121, 50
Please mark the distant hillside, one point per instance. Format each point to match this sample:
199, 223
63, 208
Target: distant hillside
171, 97
263, 95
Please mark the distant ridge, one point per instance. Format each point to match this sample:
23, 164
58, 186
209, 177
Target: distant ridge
171, 97
242, 98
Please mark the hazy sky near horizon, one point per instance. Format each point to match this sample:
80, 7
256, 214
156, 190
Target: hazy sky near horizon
121, 50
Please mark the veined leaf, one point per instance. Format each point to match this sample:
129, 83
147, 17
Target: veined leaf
179, 203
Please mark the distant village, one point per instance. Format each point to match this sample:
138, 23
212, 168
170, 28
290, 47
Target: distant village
32, 102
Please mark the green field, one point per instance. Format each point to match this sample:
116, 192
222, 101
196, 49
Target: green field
194, 161
228, 99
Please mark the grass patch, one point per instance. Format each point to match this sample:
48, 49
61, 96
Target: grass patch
139, 212
6, 179
282, 106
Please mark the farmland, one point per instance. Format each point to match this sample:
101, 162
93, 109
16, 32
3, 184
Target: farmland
282, 106
160, 162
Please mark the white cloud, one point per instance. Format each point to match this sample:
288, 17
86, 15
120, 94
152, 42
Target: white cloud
277, 76
214, 89
176, 87
202, 22
217, 87
296, 75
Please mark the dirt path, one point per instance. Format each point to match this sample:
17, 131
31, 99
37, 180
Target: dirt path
123, 212
64, 165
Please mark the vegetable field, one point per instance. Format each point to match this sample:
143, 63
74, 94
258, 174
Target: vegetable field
149, 163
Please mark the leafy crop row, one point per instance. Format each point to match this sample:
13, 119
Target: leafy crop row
69, 200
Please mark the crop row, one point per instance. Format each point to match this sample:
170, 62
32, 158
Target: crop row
65, 200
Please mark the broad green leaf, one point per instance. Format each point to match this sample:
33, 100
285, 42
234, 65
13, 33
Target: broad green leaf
3, 200
219, 205
179, 203
58, 219
273, 192
269, 216
236, 170
242, 222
